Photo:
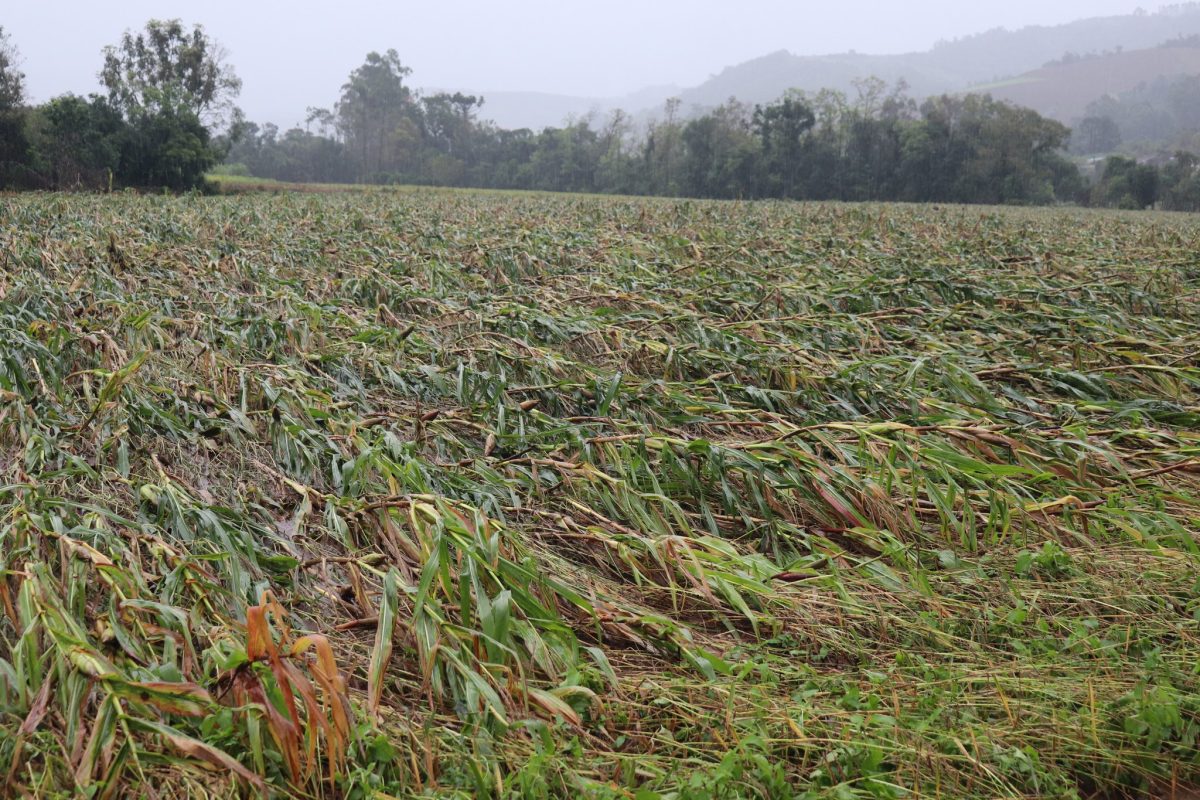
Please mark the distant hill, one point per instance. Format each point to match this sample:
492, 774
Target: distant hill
537, 110
949, 66
1064, 91
992, 58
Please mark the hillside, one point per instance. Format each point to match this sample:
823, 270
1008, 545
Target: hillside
948, 66
538, 110
1064, 91
985, 58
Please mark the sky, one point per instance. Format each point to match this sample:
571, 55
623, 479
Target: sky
291, 55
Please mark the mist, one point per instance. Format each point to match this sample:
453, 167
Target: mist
296, 54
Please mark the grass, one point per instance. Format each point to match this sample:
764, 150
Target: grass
221, 183
241, 184
1020, 80
478, 495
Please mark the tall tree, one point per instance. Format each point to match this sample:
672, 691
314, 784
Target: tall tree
375, 114
167, 65
1096, 135
173, 87
14, 146
12, 80
782, 127
613, 172
720, 153
662, 150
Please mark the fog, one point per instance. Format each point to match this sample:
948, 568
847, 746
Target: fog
291, 55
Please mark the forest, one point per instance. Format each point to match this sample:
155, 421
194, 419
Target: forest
168, 119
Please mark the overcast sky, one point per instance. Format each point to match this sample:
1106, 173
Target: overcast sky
297, 53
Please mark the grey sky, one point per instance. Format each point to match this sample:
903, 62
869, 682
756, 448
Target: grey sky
294, 54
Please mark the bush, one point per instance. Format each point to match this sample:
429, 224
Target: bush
169, 148
238, 170
77, 142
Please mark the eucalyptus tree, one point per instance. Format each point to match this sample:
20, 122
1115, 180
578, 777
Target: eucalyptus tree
167, 64
174, 88
376, 115
12, 80
14, 146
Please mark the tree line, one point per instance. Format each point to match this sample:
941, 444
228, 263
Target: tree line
878, 145
167, 119
167, 90
1169, 183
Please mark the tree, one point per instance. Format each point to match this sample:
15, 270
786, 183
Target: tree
12, 80
566, 159
167, 66
448, 121
1096, 135
323, 118
14, 145
1127, 184
974, 149
872, 140
1181, 183
782, 127
171, 149
661, 151
720, 152
78, 142
614, 171
172, 87
375, 115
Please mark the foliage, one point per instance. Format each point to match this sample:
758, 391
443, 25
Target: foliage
1172, 184
172, 86
372, 114
973, 149
14, 145
1160, 113
878, 146
1096, 135
78, 142
782, 129
169, 148
167, 90
1126, 184
430, 493
1181, 183
167, 68
12, 80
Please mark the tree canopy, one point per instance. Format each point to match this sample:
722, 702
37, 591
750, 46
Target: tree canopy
14, 144
12, 80
372, 112
877, 145
167, 65
168, 91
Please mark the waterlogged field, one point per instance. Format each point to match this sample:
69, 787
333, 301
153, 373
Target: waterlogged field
404, 494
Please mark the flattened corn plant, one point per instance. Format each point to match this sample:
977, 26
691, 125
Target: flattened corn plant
486, 495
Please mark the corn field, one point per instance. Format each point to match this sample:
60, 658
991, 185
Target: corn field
407, 494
